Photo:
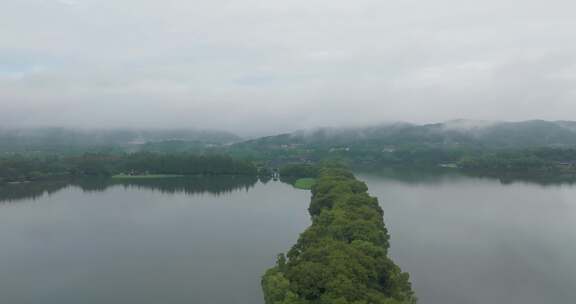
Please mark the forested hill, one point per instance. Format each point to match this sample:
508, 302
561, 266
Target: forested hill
452, 134
457, 133
70, 140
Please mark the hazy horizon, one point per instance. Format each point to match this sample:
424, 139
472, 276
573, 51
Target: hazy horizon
259, 67
453, 124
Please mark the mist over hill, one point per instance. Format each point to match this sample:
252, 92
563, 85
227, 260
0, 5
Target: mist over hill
68, 140
451, 134
455, 133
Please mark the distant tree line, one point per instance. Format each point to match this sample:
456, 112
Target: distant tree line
403, 155
23, 168
342, 258
537, 159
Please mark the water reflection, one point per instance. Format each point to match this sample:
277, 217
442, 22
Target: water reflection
216, 185
32, 190
101, 241
439, 175
480, 239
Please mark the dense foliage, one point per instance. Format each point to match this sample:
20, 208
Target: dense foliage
343, 256
492, 146
537, 159
20, 168
451, 134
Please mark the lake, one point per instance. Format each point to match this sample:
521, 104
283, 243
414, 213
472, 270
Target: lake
480, 240
208, 240
167, 241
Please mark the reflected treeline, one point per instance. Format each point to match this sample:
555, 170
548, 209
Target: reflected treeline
437, 175
409, 175
30, 190
540, 178
189, 185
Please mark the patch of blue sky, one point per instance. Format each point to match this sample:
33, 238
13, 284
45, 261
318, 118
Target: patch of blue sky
18, 63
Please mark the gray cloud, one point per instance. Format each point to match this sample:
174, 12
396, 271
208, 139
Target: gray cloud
264, 66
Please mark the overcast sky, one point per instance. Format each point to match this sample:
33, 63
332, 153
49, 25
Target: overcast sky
265, 66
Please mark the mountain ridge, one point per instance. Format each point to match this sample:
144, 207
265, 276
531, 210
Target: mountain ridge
454, 133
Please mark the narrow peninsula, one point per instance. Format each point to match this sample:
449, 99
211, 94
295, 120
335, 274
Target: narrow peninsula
342, 258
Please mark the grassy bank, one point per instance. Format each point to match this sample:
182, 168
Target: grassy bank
305, 183
147, 176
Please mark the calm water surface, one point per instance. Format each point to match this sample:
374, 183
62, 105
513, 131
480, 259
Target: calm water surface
168, 242
464, 240
471, 240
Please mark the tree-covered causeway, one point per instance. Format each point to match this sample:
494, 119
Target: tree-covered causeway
342, 258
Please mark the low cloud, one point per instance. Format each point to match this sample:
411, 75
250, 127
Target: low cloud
260, 67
